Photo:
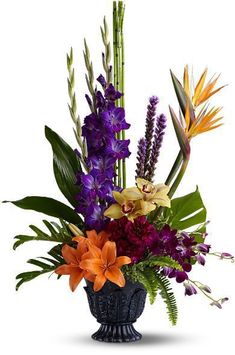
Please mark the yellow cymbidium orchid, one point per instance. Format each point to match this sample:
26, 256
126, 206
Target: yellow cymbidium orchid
138, 201
154, 194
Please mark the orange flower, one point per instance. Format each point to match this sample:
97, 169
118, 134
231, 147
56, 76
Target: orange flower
106, 265
73, 258
95, 239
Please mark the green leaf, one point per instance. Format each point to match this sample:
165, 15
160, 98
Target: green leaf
50, 266
65, 164
162, 261
186, 211
182, 97
168, 297
62, 234
181, 135
50, 207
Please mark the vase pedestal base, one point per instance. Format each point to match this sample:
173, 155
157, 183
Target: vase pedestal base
117, 333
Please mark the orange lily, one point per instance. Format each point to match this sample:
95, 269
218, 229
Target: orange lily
106, 265
92, 237
73, 258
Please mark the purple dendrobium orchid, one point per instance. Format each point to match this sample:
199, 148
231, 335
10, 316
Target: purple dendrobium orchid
203, 248
189, 289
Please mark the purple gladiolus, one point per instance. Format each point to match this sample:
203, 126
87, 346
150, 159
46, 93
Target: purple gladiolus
114, 119
118, 148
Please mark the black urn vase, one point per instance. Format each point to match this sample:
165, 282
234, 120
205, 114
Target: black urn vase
116, 309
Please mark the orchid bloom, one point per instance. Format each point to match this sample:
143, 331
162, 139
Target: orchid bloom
92, 237
128, 204
106, 265
153, 194
73, 258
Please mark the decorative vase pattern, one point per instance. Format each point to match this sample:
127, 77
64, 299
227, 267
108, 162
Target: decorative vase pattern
116, 309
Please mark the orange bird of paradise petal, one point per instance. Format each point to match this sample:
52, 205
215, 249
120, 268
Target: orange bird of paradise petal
106, 267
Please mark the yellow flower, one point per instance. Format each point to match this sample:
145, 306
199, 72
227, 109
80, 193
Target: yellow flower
128, 204
154, 194
138, 201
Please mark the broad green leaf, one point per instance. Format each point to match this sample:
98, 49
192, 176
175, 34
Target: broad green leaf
50, 207
65, 164
182, 97
186, 211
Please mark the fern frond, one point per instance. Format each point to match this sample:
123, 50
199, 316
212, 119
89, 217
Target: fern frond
167, 296
49, 266
146, 277
57, 233
161, 261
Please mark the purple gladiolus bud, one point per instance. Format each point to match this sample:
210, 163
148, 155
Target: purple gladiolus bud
204, 248
141, 152
189, 289
102, 80
200, 259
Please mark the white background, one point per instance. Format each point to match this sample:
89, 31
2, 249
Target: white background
44, 316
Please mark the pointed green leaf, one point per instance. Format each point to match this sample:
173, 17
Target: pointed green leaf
65, 164
50, 207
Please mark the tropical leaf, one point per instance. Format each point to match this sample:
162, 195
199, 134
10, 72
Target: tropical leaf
168, 296
186, 211
57, 233
50, 207
49, 266
65, 164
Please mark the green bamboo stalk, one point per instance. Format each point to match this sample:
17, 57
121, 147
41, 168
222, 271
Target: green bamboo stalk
122, 80
73, 109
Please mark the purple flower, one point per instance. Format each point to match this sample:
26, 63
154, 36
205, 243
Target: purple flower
227, 256
102, 81
204, 248
200, 259
103, 164
141, 152
94, 218
94, 185
118, 148
115, 119
189, 289
111, 94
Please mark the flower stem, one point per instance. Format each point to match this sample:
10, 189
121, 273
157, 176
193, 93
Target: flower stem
179, 177
174, 168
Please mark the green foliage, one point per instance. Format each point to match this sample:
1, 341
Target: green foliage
145, 272
144, 276
186, 211
50, 207
160, 261
65, 164
50, 265
57, 233
168, 296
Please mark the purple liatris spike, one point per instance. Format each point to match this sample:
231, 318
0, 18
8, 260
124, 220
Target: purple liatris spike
157, 143
141, 153
149, 126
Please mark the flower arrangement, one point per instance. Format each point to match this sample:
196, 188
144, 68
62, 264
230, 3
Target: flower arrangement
114, 233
